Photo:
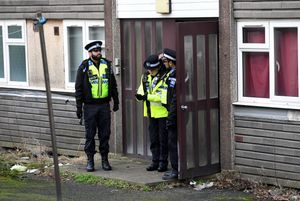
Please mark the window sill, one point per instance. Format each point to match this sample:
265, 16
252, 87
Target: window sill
269, 105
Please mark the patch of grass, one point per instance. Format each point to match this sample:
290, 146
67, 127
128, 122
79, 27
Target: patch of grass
10, 190
5, 169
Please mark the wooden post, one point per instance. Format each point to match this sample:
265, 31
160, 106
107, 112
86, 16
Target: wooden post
41, 22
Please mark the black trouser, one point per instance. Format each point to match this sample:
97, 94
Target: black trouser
173, 150
158, 140
97, 116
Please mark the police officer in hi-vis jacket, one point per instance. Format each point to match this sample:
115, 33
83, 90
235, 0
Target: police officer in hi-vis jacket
94, 87
151, 91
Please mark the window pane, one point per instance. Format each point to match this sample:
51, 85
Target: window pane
188, 66
129, 130
159, 36
1, 54
148, 38
75, 50
17, 63
286, 61
189, 140
140, 134
96, 33
213, 66
253, 35
256, 74
14, 31
127, 55
138, 52
201, 81
202, 138
214, 129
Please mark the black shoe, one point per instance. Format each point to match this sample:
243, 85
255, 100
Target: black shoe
105, 165
168, 172
152, 167
90, 166
172, 176
162, 168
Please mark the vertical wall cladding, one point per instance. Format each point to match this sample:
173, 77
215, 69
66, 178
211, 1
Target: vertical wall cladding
24, 122
266, 9
267, 145
52, 9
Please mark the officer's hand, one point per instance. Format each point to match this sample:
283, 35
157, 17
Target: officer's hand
116, 107
141, 97
79, 112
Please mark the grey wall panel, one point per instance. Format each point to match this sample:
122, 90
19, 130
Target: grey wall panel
266, 9
24, 122
52, 9
267, 144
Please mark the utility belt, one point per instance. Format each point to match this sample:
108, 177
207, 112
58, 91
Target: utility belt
98, 101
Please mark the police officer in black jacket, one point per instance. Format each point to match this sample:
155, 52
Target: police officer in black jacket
169, 60
94, 87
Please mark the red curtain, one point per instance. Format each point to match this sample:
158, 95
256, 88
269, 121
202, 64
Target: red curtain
286, 62
254, 35
256, 68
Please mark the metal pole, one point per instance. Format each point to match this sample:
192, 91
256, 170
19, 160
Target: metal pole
41, 21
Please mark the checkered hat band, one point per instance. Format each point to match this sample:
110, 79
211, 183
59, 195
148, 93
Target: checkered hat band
94, 46
169, 57
153, 65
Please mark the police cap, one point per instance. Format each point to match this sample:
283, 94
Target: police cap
152, 62
93, 45
169, 54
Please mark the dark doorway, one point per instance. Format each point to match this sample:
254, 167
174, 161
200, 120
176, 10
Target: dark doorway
196, 44
139, 39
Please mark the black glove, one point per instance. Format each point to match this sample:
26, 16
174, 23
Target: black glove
170, 124
116, 107
79, 112
141, 97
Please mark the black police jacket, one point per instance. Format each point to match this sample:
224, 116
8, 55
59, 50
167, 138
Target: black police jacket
83, 87
171, 99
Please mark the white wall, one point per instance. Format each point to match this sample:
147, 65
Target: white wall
180, 9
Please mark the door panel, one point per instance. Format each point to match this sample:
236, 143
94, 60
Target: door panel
198, 102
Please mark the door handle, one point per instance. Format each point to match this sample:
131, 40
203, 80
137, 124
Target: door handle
183, 107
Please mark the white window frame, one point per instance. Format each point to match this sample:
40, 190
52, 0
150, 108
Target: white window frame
10, 42
283, 99
259, 24
85, 24
268, 46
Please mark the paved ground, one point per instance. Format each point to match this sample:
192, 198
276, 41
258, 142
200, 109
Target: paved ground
127, 169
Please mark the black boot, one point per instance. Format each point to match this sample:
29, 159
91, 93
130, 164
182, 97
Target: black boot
90, 164
105, 164
152, 167
173, 175
162, 167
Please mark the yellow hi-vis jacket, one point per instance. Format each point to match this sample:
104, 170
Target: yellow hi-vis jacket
98, 79
156, 91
